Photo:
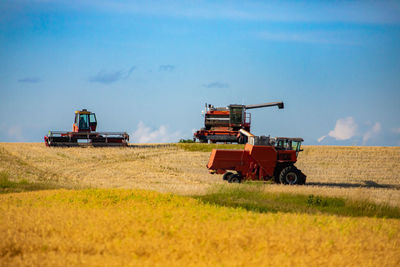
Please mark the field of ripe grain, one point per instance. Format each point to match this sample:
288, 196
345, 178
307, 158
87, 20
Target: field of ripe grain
109, 217
369, 173
134, 227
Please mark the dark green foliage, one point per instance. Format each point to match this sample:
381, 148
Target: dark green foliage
253, 198
9, 186
185, 141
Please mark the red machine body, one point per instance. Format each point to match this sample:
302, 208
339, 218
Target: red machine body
222, 124
260, 161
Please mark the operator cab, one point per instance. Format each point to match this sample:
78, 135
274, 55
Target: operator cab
288, 143
85, 121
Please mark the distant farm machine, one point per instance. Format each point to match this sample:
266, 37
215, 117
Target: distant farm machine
84, 134
263, 158
222, 124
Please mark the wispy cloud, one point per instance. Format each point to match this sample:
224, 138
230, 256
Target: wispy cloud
321, 138
30, 80
167, 68
111, 77
106, 77
316, 37
216, 85
371, 12
373, 132
145, 134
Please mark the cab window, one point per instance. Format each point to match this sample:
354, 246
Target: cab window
83, 122
92, 118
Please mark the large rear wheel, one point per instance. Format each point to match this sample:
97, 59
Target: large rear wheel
291, 175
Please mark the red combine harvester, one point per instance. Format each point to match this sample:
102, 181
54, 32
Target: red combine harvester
222, 124
263, 158
84, 134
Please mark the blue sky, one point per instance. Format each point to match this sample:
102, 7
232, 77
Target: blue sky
148, 67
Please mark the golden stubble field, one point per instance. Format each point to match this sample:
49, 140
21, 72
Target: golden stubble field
114, 215
370, 173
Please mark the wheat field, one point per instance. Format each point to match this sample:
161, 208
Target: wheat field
369, 173
138, 206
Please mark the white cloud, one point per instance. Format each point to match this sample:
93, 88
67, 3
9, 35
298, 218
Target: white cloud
344, 129
374, 131
145, 134
321, 138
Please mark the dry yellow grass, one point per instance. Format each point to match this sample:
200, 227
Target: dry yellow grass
133, 227
359, 165
130, 227
370, 173
161, 168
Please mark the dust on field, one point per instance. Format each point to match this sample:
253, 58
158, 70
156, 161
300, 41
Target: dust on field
369, 173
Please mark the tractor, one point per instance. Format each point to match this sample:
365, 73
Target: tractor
263, 158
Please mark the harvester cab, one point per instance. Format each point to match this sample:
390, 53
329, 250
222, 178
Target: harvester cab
288, 143
85, 121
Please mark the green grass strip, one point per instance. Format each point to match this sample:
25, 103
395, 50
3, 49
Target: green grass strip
255, 199
10, 186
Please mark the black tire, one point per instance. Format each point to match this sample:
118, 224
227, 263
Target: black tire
277, 172
303, 177
291, 175
226, 176
236, 178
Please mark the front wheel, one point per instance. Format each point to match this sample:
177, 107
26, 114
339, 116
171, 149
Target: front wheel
291, 175
236, 178
226, 176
